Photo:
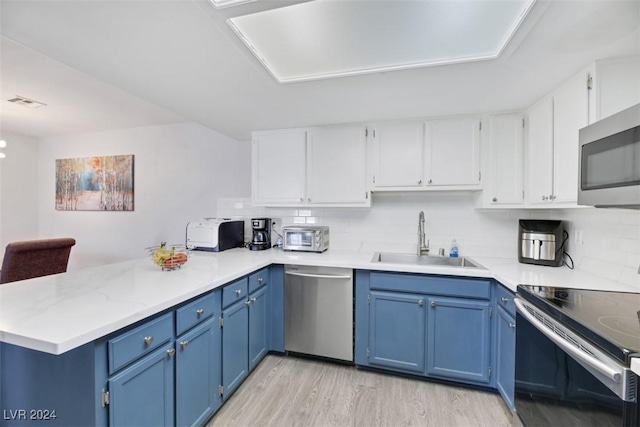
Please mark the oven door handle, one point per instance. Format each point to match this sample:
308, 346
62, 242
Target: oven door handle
574, 352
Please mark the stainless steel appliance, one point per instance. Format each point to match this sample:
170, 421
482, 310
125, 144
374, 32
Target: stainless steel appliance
574, 349
309, 238
215, 234
261, 234
541, 242
318, 311
609, 166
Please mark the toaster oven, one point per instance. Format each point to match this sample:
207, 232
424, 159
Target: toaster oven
305, 238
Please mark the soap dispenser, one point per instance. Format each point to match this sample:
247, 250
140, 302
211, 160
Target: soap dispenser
453, 252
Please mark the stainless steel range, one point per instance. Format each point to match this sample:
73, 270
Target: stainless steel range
574, 349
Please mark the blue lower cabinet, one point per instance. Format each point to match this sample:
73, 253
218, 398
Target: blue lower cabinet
505, 357
397, 331
143, 394
458, 339
198, 374
235, 346
258, 326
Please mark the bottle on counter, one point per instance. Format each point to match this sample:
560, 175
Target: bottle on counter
453, 252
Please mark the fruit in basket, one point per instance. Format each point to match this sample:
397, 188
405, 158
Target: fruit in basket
162, 254
176, 260
168, 258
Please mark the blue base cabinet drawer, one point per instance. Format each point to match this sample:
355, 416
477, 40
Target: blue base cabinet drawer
194, 312
236, 291
504, 298
128, 347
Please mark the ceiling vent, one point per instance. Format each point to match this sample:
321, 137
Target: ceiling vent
26, 102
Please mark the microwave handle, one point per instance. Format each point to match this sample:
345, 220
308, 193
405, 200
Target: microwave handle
576, 353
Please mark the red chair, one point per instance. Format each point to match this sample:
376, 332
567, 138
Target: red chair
35, 258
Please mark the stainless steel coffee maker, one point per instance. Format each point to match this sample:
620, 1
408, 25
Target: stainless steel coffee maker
261, 238
541, 242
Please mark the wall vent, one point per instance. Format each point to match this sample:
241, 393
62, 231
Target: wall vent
26, 102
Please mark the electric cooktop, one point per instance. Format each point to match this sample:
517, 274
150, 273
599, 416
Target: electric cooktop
611, 320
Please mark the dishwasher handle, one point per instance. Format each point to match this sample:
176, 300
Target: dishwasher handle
571, 349
318, 276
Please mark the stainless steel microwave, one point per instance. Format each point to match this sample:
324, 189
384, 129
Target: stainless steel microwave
311, 238
609, 164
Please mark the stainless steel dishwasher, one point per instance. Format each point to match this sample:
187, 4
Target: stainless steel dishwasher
319, 311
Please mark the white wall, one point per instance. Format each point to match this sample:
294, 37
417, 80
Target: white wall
611, 237
18, 189
179, 173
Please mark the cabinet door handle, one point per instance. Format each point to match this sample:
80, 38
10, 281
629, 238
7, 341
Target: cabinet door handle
238, 292
420, 182
148, 340
544, 197
433, 303
247, 303
495, 199
504, 300
171, 352
421, 302
302, 199
430, 181
184, 344
512, 325
260, 280
308, 199
200, 312
252, 300
552, 197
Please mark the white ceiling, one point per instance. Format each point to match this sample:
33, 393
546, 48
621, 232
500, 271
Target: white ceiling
119, 61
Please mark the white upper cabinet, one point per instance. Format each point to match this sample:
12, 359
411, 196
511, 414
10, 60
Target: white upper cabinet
279, 162
452, 148
552, 160
426, 155
540, 152
504, 177
570, 114
616, 84
310, 167
398, 154
336, 165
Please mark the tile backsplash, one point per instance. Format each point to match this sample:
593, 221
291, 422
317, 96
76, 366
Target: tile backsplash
604, 242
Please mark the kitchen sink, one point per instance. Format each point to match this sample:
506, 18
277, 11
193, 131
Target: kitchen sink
431, 260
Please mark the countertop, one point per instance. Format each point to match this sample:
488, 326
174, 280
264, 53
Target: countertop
57, 313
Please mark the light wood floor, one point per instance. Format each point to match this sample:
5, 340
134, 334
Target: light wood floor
290, 391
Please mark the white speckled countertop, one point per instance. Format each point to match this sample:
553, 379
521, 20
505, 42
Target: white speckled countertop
57, 313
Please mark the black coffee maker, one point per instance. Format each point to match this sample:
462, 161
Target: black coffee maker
261, 238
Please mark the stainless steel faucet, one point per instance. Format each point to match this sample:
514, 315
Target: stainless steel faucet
423, 249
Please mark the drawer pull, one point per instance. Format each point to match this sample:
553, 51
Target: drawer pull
433, 303
253, 300
238, 292
200, 312
247, 303
171, 352
504, 300
260, 280
148, 340
421, 302
512, 325
184, 344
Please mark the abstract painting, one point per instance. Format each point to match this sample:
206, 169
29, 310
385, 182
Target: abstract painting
95, 183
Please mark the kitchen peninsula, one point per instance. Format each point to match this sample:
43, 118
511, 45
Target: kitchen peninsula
59, 333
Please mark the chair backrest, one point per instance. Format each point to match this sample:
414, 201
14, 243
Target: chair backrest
35, 258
